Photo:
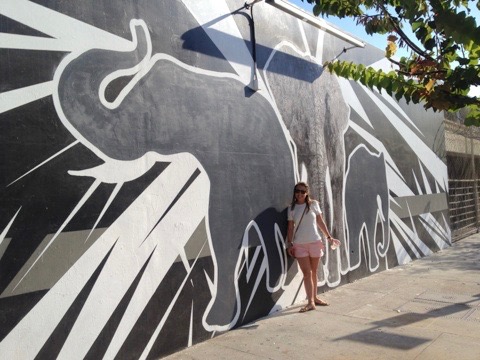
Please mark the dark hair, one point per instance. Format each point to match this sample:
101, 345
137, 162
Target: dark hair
308, 201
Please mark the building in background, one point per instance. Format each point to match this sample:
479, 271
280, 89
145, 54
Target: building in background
462, 145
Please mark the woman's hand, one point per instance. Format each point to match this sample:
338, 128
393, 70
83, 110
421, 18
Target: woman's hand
290, 251
334, 243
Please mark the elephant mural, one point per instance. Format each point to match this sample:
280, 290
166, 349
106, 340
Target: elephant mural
366, 188
243, 159
145, 183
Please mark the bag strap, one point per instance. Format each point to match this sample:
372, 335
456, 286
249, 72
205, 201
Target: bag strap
296, 227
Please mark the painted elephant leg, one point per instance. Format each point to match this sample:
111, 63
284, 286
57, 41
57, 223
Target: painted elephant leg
383, 201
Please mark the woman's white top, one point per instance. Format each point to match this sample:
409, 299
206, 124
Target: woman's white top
308, 230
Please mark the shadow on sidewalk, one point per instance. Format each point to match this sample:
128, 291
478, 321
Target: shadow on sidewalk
379, 335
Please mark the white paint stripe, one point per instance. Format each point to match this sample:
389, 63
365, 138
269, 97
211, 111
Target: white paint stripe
304, 37
444, 230
329, 193
428, 189
41, 321
446, 226
15, 98
60, 26
280, 241
319, 50
263, 268
385, 65
250, 264
5, 231
143, 69
45, 161
404, 230
397, 107
183, 257
112, 196
413, 235
169, 238
417, 184
82, 201
397, 184
393, 200
402, 255
430, 224
159, 328
140, 67
435, 165
190, 329
352, 99
377, 144
210, 284
291, 294
25, 42
410, 236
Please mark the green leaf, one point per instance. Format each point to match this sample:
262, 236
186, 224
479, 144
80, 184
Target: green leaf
444, 49
398, 95
417, 24
430, 44
463, 61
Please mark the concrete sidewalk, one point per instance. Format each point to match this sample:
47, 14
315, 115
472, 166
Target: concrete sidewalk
427, 309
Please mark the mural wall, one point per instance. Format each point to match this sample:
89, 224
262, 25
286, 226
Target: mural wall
144, 184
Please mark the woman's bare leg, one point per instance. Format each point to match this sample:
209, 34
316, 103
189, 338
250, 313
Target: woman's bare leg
305, 266
314, 266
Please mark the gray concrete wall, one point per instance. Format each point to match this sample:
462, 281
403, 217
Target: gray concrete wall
145, 184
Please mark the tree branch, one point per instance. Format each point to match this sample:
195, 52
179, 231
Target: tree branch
404, 37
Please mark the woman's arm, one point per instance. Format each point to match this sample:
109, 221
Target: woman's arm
323, 227
290, 232
290, 237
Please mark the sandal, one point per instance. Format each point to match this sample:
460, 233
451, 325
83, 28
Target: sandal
307, 308
321, 302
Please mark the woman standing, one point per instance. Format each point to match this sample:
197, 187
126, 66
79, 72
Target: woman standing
304, 241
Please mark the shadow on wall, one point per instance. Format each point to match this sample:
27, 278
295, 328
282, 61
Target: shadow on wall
191, 37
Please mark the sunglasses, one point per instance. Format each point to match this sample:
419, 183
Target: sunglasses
300, 191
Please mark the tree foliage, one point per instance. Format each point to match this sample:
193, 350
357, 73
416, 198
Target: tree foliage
444, 50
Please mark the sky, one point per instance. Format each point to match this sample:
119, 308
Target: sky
379, 41
347, 25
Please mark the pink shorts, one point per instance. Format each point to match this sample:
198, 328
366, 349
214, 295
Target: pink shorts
312, 249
